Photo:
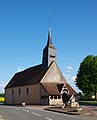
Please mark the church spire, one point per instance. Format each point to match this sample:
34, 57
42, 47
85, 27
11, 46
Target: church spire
49, 42
49, 52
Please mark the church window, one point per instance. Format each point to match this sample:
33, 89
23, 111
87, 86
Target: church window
19, 91
12, 91
27, 90
52, 56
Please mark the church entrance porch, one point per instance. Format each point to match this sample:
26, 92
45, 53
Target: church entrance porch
51, 100
55, 100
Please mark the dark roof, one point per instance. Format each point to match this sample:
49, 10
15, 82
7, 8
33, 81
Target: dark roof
70, 89
53, 88
32, 75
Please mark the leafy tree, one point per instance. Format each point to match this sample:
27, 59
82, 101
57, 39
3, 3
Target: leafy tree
86, 79
2, 94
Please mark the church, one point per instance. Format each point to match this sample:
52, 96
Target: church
40, 84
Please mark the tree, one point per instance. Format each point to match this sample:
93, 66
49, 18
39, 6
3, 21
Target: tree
2, 94
86, 79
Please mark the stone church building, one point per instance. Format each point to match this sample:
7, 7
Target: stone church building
41, 84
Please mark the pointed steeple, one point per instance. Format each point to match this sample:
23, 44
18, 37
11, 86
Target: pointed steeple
49, 52
49, 42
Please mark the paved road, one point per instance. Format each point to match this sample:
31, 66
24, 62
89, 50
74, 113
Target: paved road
23, 113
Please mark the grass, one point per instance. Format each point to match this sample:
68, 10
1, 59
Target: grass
91, 102
2, 99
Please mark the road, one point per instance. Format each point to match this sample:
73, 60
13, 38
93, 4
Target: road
23, 113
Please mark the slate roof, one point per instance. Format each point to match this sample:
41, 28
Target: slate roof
70, 89
53, 88
32, 75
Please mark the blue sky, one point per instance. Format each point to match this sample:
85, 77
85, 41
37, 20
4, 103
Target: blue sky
24, 29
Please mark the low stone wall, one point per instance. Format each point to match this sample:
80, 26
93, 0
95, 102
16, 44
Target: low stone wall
55, 101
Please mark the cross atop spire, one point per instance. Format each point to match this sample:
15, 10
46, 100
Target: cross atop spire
49, 52
49, 20
49, 42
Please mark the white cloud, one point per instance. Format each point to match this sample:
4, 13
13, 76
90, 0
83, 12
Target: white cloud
68, 69
2, 86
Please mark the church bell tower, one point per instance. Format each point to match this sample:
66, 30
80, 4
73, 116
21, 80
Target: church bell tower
49, 52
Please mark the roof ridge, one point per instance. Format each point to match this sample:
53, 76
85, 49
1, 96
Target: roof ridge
28, 68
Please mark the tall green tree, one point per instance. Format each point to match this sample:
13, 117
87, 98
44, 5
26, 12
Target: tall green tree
86, 79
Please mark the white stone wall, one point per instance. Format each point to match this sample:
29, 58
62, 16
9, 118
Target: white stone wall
31, 98
55, 101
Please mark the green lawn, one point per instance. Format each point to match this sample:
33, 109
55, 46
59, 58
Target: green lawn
89, 102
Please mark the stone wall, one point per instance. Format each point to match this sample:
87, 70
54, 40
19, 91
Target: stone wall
57, 101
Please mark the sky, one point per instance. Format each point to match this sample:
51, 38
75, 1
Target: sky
24, 28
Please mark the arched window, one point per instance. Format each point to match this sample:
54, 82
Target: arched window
27, 90
12, 92
19, 91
